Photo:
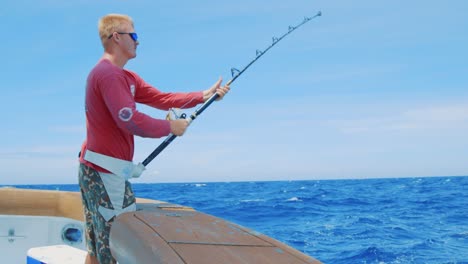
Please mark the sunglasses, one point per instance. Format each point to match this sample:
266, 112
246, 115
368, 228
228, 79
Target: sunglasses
133, 35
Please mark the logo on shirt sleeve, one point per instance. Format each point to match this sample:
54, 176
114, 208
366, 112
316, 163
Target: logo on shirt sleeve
125, 114
132, 89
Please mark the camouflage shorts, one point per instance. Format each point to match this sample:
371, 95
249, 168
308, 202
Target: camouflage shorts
97, 229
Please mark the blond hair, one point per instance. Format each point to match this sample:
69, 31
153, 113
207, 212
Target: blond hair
111, 23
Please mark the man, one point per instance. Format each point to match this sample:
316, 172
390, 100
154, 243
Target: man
112, 120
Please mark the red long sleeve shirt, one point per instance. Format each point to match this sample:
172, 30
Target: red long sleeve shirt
112, 119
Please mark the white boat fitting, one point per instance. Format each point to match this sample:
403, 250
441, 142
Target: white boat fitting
32, 219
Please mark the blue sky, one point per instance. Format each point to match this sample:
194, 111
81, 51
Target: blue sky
370, 89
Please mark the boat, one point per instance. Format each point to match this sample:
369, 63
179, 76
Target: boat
46, 226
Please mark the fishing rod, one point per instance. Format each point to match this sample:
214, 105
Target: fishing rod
235, 73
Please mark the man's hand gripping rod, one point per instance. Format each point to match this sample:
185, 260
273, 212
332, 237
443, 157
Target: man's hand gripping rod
235, 74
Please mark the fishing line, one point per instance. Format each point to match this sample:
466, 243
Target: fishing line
235, 73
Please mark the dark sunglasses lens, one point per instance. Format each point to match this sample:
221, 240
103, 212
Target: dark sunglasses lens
134, 36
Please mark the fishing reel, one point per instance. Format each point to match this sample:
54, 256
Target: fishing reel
175, 113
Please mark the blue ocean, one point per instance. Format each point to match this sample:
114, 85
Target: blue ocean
400, 220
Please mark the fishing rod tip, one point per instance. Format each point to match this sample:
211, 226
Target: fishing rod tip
319, 13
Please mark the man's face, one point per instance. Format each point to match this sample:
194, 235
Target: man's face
126, 43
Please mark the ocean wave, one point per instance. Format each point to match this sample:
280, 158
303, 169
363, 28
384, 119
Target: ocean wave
462, 235
372, 254
252, 200
294, 199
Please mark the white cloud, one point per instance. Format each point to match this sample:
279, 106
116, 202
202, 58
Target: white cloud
68, 129
447, 117
55, 150
439, 114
